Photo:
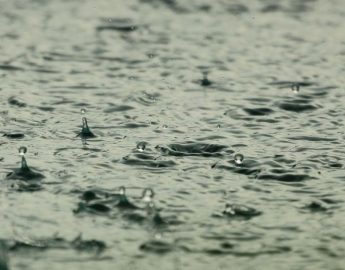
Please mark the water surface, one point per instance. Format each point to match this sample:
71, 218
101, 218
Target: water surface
195, 82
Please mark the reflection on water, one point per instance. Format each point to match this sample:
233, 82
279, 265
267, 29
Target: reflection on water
210, 133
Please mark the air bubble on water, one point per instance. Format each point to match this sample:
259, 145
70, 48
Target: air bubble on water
238, 158
141, 146
295, 88
22, 150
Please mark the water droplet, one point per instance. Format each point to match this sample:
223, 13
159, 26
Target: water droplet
22, 150
148, 195
141, 146
84, 120
229, 210
85, 130
205, 81
122, 190
295, 88
158, 236
238, 158
151, 55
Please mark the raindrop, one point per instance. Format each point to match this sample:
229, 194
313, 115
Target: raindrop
205, 81
240, 211
24, 172
85, 130
123, 201
238, 158
141, 146
122, 191
229, 210
148, 195
22, 150
295, 88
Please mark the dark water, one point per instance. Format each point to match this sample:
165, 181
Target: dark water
194, 83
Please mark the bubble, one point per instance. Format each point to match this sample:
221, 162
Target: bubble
83, 111
238, 158
295, 88
22, 150
141, 146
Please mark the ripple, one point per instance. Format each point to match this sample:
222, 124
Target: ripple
14, 135
258, 111
15, 102
93, 246
147, 161
156, 246
118, 108
297, 107
193, 149
238, 212
237, 9
25, 175
285, 177
117, 24
11, 68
